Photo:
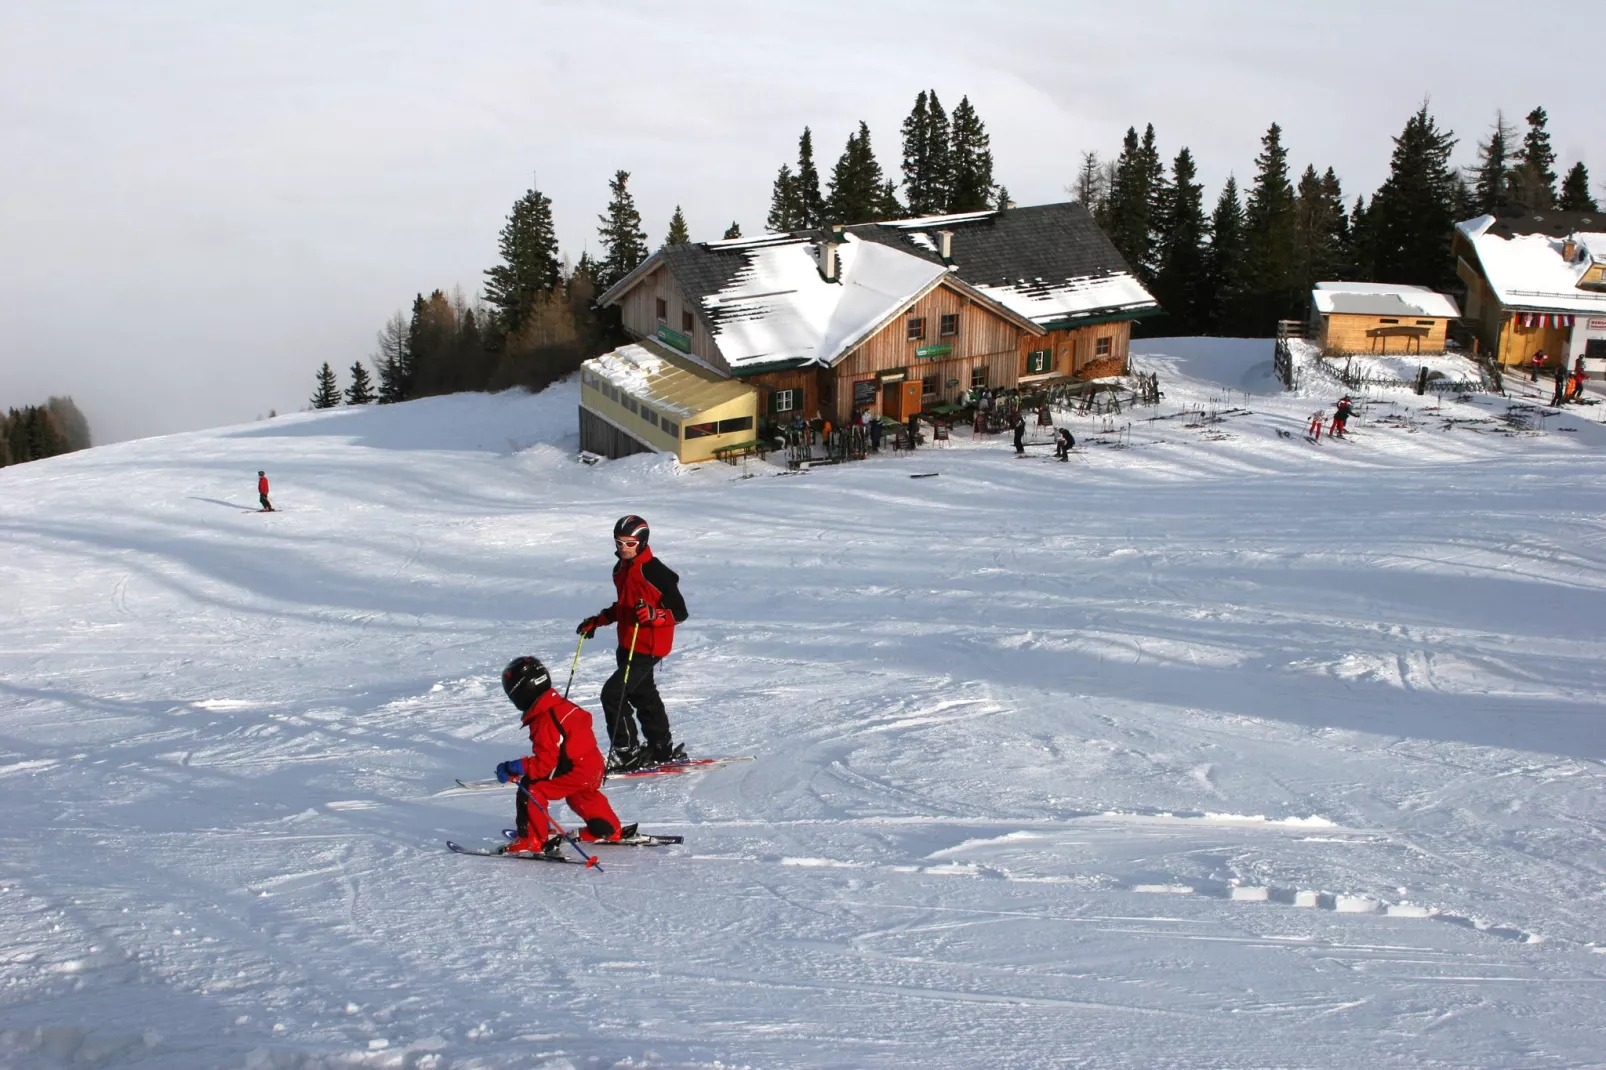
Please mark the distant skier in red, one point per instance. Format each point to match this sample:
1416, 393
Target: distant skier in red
564, 763
262, 492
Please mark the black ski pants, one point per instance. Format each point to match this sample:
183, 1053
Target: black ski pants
642, 697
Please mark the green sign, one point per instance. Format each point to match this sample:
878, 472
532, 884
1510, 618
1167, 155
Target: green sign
674, 338
953, 382
929, 352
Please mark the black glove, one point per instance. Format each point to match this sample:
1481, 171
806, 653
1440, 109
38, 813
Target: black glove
588, 627
648, 615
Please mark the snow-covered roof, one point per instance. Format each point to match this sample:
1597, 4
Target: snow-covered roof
1528, 271
651, 377
778, 306
1382, 299
1049, 263
1043, 301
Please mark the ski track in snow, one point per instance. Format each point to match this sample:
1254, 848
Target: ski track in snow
1215, 748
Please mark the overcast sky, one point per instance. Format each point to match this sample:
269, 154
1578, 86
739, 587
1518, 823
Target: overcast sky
200, 202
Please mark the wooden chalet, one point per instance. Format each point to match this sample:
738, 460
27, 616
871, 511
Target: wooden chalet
1536, 282
1379, 319
894, 317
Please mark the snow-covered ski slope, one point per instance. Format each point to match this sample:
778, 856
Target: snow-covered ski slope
1210, 748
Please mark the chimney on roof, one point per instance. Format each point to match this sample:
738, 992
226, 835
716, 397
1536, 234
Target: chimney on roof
1569, 249
945, 245
827, 253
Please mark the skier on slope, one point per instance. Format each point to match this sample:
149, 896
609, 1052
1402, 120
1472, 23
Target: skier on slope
646, 608
262, 492
1340, 417
564, 763
1019, 424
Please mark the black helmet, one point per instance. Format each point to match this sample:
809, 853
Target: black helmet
630, 527
525, 680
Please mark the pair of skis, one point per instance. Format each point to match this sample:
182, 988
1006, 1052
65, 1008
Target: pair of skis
685, 765
634, 840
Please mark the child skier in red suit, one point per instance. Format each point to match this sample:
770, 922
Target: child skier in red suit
564, 763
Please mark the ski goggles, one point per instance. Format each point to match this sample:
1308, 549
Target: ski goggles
627, 544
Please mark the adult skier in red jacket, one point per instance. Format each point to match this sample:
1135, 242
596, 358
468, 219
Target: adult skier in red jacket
647, 606
262, 492
564, 762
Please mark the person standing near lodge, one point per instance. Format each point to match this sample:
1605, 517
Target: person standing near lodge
647, 606
875, 431
262, 492
1019, 424
914, 429
1560, 395
1063, 442
1535, 364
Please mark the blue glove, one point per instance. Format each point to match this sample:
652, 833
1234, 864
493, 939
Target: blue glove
510, 770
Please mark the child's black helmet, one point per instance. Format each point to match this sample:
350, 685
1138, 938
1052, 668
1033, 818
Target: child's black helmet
525, 680
630, 527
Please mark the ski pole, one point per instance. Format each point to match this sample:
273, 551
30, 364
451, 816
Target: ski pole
591, 861
574, 664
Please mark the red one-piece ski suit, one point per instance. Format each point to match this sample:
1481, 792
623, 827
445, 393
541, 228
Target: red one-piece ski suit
564, 764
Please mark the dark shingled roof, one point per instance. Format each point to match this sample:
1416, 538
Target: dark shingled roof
1043, 243
1553, 224
701, 271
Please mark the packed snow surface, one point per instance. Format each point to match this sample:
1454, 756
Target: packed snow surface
1213, 747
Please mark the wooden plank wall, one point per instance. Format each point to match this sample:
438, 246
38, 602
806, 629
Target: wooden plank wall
599, 436
638, 313
1078, 347
1518, 344
1347, 334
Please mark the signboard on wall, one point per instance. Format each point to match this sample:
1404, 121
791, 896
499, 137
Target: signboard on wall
1597, 325
674, 338
864, 392
892, 375
933, 352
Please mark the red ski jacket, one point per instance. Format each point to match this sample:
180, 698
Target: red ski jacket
644, 578
262, 485
563, 740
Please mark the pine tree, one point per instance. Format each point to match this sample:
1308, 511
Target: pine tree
328, 393
1414, 210
1004, 200
1320, 230
970, 161
1129, 209
733, 231
859, 193
786, 208
623, 239
528, 245
361, 390
72, 422
1489, 176
810, 202
1089, 188
1362, 245
394, 362
1575, 195
925, 156
1180, 250
677, 229
1270, 289
1531, 182
1221, 295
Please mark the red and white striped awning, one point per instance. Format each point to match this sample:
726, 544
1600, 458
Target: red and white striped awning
1545, 319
